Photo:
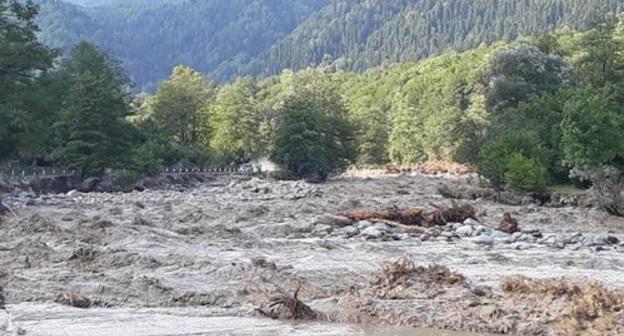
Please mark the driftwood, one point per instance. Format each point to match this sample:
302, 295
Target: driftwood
287, 307
442, 215
406, 217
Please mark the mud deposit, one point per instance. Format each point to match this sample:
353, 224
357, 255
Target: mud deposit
201, 261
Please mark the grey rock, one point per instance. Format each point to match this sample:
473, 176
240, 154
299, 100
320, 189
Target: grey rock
425, 237
573, 239
599, 240
363, 225
479, 230
526, 238
455, 226
322, 229
465, 231
383, 227
484, 240
401, 236
347, 232
612, 240
548, 240
499, 235
333, 220
521, 246
471, 222
448, 235
372, 233
529, 230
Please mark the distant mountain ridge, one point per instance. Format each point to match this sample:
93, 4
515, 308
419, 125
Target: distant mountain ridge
96, 3
227, 38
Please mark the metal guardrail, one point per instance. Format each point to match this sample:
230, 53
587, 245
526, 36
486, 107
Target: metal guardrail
209, 171
40, 172
51, 172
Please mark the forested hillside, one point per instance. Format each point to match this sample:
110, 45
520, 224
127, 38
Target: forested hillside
360, 34
214, 36
223, 39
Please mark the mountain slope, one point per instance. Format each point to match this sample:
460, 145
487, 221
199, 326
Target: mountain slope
363, 33
226, 38
95, 3
213, 36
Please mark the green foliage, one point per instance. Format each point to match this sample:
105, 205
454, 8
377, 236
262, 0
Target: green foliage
524, 174
594, 113
21, 57
495, 159
439, 107
521, 72
179, 107
91, 132
592, 129
314, 137
236, 122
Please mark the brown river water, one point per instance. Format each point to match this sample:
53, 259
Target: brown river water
55, 320
199, 261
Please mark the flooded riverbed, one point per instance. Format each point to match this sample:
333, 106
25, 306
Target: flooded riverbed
200, 261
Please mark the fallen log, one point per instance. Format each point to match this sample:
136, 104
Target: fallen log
406, 217
442, 215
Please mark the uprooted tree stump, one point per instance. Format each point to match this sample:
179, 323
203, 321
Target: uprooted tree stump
287, 307
440, 216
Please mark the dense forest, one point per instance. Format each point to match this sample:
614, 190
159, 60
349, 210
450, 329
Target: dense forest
224, 39
213, 36
528, 114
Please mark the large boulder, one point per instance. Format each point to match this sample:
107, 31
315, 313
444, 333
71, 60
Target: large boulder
509, 224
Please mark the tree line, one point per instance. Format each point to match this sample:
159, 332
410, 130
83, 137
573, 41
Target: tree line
541, 111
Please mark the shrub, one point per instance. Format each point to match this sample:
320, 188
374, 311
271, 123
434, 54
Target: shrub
524, 174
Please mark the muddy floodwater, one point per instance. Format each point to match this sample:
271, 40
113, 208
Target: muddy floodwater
202, 260
51, 320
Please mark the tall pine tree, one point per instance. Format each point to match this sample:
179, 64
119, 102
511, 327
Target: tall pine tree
92, 133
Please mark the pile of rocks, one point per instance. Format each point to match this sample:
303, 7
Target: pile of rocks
331, 226
256, 189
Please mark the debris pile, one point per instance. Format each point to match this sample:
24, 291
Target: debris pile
289, 307
573, 308
442, 215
